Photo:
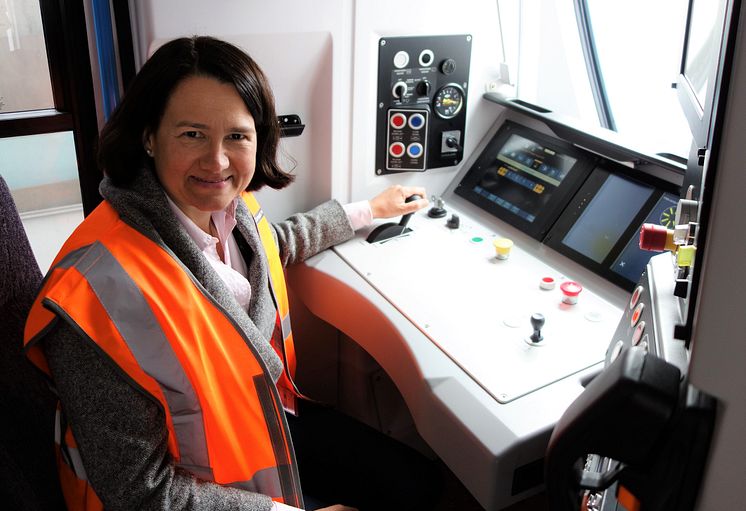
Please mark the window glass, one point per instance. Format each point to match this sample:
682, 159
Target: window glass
705, 35
639, 45
551, 69
41, 171
23, 55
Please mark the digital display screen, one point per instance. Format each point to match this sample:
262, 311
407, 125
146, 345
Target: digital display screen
604, 220
632, 260
524, 177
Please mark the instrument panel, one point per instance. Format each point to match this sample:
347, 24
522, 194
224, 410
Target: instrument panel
423, 85
586, 207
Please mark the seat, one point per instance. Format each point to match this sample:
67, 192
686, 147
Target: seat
28, 474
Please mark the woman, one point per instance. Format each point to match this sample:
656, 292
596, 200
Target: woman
163, 321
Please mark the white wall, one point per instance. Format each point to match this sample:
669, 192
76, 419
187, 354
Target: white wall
321, 58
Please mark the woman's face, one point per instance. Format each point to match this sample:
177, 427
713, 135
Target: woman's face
205, 147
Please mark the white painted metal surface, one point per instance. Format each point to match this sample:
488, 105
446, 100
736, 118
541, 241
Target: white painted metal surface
477, 308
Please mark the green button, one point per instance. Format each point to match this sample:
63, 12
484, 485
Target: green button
477, 239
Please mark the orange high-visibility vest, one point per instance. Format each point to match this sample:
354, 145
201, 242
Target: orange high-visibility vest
282, 340
133, 300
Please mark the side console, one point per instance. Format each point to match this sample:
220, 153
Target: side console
638, 436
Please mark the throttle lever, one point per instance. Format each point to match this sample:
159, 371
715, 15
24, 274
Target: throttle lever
391, 230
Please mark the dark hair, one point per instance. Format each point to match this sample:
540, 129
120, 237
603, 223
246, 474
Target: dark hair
121, 153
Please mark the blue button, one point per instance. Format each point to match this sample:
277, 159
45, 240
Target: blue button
416, 121
414, 150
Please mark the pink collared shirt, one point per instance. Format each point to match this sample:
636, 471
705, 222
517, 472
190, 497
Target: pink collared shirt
232, 269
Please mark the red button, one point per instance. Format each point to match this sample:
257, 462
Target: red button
571, 290
396, 149
636, 314
635, 296
637, 334
653, 237
398, 120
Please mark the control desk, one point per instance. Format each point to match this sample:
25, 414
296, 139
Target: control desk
488, 331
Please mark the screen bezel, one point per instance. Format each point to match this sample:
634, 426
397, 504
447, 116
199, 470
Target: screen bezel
598, 176
560, 197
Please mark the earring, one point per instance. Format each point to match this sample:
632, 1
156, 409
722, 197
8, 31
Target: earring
149, 151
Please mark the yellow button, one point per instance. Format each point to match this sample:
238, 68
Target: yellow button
685, 255
502, 247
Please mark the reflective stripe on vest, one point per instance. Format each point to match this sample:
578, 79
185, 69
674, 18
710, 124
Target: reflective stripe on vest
222, 409
284, 346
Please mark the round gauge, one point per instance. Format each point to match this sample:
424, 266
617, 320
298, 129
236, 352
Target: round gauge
448, 101
668, 217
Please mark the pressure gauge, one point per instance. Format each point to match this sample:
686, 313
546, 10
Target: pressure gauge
448, 101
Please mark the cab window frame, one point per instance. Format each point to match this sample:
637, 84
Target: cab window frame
66, 43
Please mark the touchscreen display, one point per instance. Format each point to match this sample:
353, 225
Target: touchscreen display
608, 215
632, 260
524, 177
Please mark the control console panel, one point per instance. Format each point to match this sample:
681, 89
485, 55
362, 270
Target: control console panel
511, 321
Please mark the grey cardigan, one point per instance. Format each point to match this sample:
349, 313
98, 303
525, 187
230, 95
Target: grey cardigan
120, 432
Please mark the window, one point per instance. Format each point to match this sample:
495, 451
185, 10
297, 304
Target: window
48, 123
49, 179
639, 45
23, 55
637, 48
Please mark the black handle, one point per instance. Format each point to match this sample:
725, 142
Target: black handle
391, 230
405, 219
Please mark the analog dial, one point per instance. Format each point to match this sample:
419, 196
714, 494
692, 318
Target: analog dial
448, 101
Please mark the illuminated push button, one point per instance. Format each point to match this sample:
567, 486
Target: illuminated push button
637, 334
547, 283
426, 58
502, 247
416, 121
396, 149
570, 291
401, 59
636, 314
635, 296
398, 120
414, 150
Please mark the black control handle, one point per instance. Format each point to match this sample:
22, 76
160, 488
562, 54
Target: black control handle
537, 322
405, 219
391, 230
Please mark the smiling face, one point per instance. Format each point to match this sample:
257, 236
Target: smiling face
204, 149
